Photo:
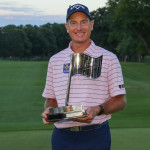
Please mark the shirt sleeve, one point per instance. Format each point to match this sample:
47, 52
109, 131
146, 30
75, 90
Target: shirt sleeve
49, 88
115, 77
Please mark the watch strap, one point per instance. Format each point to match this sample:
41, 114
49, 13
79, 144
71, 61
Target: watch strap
101, 111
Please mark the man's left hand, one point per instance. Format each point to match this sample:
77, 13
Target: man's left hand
90, 112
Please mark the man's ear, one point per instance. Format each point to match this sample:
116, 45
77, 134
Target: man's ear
67, 27
92, 24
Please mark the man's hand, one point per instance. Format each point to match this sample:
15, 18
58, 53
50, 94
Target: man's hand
91, 112
44, 116
48, 104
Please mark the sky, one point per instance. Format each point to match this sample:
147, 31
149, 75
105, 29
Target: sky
38, 12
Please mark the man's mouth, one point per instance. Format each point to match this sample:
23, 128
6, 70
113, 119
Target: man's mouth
79, 34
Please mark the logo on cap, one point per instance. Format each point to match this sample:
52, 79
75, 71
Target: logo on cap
77, 6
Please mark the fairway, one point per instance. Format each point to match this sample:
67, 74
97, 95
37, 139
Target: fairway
21, 105
122, 139
130, 138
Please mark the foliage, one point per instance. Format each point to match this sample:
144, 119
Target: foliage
32, 41
130, 27
101, 30
122, 26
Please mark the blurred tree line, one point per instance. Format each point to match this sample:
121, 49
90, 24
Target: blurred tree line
32, 42
122, 26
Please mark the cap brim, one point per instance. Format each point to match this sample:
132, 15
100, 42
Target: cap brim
77, 11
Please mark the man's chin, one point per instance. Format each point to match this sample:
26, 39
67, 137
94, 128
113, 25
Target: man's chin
79, 41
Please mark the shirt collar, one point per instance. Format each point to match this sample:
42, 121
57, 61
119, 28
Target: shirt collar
89, 51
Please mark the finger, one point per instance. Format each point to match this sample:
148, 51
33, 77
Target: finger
45, 121
45, 113
85, 119
90, 113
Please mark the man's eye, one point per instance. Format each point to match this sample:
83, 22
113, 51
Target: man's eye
84, 22
73, 23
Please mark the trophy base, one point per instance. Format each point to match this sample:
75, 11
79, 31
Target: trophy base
66, 112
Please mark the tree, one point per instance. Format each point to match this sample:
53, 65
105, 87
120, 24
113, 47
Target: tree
136, 14
101, 28
47, 40
62, 37
3, 51
16, 42
130, 24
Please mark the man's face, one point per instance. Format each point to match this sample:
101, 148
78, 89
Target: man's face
79, 27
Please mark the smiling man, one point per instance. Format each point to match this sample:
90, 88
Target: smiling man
100, 97
79, 27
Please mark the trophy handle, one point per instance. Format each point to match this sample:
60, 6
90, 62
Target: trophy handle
69, 81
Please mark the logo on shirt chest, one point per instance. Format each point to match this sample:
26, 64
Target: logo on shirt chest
66, 68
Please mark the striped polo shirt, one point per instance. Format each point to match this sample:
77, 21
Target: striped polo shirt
83, 90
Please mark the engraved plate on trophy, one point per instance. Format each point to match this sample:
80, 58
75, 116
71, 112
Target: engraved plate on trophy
86, 66
66, 112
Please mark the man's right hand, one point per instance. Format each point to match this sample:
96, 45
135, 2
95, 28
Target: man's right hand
44, 116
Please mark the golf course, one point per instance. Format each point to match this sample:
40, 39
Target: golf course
21, 105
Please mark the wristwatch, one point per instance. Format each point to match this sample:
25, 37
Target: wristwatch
101, 111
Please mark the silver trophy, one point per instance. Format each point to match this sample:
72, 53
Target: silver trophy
79, 64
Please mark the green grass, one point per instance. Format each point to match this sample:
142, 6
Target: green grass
21, 105
122, 139
25, 140
130, 138
137, 82
21, 86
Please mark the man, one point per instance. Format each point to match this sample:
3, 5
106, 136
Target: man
100, 97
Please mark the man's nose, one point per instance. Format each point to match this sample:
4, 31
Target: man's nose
79, 27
